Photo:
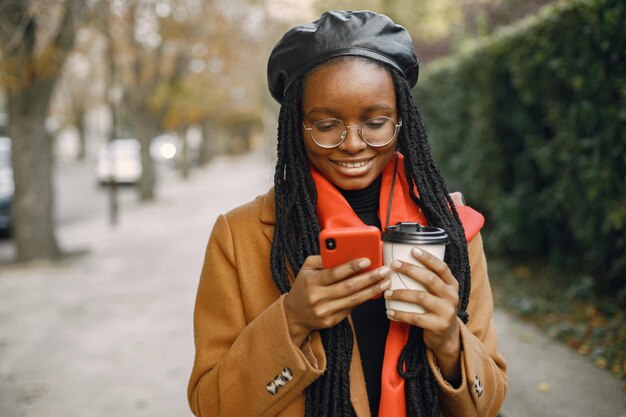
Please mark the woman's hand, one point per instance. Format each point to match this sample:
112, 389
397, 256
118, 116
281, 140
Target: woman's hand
440, 302
321, 298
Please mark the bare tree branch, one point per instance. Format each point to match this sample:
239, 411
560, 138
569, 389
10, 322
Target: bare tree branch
74, 15
16, 37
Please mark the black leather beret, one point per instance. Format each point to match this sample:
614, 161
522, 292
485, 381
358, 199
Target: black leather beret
337, 33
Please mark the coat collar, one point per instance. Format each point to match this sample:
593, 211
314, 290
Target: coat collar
268, 208
268, 214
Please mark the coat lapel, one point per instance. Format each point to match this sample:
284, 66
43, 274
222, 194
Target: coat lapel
268, 214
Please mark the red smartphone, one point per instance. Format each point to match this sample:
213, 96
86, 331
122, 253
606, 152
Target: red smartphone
340, 245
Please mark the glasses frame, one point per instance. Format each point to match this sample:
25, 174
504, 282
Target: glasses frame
359, 129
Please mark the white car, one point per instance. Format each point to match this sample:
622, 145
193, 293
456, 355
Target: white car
120, 161
7, 186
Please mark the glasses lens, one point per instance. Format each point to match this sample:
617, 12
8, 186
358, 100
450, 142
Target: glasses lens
378, 130
327, 132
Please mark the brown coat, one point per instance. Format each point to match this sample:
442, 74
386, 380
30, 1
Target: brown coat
243, 343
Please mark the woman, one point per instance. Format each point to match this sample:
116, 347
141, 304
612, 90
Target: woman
275, 333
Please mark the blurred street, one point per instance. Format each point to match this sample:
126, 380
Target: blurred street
108, 333
79, 198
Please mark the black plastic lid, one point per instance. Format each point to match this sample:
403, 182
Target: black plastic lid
415, 233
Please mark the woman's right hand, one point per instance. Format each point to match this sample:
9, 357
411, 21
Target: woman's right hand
321, 298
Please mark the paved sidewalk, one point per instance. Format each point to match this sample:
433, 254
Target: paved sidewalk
109, 334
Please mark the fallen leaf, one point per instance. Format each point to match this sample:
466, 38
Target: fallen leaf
525, 337
522, 272
543, 387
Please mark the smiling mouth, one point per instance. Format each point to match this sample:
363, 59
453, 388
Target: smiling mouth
352, 164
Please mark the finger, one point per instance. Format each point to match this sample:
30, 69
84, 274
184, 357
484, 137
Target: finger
335, 317
446, 309
313, 262
435, 264
354, 299
426, 321
431, 281
358, 282
344, 271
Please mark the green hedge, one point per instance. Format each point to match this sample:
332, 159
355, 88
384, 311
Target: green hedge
531, 125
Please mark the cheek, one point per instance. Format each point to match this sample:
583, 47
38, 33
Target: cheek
319, 159
314, 153
387, 152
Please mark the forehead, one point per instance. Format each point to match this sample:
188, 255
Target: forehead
348, 81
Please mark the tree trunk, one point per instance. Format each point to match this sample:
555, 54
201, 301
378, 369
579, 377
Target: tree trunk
28, 105
147, 183
82, 140
185, 163
205, 151
33, 224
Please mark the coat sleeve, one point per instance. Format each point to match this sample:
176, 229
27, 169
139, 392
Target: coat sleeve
235, 359
483, 369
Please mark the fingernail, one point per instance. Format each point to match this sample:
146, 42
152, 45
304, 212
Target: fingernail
385, 272
390, 313
364, 263
388, 293
396, 264
385, 284
417, 252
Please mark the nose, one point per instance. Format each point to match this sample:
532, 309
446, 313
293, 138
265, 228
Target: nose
353, 143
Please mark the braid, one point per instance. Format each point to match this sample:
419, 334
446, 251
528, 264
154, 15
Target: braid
422, 391
433, 199
295, 238
295, 210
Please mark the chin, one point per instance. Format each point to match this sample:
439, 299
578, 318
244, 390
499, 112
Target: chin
353, 183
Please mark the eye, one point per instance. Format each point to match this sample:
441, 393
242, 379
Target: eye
377, 123
327, 125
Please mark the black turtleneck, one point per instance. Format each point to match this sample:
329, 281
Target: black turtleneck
370, 321
365, 202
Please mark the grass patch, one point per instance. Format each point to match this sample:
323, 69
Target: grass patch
565, 308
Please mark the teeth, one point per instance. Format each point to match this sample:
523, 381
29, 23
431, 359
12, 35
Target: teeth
352, 164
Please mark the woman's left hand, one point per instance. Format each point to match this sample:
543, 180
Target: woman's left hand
440, 302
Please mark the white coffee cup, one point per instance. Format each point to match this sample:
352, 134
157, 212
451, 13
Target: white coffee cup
398, 241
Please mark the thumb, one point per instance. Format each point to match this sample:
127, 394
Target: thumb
313, 262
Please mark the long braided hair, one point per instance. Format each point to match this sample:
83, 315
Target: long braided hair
296, 237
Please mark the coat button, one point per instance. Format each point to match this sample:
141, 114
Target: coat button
272, 388
478, 386
287, 374
279, 381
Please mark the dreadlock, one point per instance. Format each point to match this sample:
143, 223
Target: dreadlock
296, 237
421, 389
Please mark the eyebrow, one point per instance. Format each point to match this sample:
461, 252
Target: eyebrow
368, 109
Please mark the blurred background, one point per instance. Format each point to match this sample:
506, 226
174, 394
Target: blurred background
127, 126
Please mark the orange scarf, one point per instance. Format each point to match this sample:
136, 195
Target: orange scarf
334, 211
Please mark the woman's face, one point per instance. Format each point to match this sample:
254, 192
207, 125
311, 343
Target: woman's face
353, 91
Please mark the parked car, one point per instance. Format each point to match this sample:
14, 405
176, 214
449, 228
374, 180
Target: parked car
120, 161
7, 186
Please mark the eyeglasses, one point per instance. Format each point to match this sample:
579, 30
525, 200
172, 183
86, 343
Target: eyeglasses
376, 132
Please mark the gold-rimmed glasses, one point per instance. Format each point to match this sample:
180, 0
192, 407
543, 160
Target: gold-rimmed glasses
376, 132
